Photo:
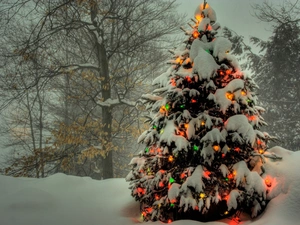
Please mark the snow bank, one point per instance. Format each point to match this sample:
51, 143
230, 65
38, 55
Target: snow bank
70, 200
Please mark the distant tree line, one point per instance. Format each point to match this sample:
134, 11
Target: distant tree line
276, 69
70, 76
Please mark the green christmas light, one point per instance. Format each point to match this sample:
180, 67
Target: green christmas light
172, 204
207, 51
171, 180
147, 149
167, 106
154, 127
162, 131
182, 106
226, 179
196, 148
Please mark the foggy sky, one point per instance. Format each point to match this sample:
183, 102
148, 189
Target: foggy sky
235, 14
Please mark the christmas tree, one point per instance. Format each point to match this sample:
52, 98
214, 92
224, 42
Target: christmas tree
203, 156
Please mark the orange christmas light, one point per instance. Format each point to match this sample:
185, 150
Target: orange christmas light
261, 151
228, 72
179, 61
195, 34
173, 82
216, 147
229, 96
194, 101
252, 118
268, 182
162, 109
181, 133
171, 158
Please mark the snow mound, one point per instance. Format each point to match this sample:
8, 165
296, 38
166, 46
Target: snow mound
70, 200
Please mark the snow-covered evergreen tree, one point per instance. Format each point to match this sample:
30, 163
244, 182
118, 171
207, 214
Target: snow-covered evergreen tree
204, 151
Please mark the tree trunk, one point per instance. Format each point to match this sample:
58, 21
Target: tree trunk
106, 113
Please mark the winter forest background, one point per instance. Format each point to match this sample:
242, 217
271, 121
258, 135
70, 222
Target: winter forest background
71, 76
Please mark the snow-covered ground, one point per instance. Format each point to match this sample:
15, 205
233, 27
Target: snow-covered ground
69, 200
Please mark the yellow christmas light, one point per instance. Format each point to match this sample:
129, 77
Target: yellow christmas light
202, 195
243, 93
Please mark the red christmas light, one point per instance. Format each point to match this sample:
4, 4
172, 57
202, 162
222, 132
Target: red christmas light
182, 176
156, 197
188, 79
161, 184
141, 190
230, 176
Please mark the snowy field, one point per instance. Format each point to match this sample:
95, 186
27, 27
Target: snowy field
69, 200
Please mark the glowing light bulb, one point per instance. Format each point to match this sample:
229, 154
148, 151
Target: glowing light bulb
195, 34
229, 96
202, 195
171, 158
188, 79
167, 106
216, 147
161, 184
162, 109
196, 148
198, 17
261, 151
230, 176
268, 182
171, 180
243, 93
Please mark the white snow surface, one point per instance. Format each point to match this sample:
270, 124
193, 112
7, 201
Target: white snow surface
69, 200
